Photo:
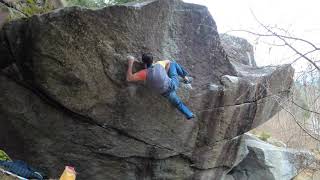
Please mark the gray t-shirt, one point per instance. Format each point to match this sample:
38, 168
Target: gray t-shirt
158, 79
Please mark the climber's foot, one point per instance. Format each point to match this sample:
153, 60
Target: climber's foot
192, 117
187, 79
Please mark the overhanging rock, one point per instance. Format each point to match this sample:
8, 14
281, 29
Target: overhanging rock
65, 97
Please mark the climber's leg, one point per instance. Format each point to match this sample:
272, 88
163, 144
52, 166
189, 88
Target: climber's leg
176, 68
175, 100
175, 71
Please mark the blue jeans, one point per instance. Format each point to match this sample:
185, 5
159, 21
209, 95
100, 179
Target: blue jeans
174, 72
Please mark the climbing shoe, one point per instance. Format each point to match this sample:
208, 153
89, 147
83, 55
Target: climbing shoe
187, 80
191, 117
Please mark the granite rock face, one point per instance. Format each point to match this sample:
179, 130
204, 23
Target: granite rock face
250, 158
238, 50
64, 98
260, 160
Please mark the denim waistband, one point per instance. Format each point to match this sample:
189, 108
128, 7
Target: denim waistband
172, 87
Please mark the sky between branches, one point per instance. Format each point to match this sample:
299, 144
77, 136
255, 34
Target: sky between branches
300, 18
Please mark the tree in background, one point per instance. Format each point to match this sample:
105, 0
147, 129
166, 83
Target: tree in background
86, 3
304, 104
298, 124
95, 3
118, 1
32, 7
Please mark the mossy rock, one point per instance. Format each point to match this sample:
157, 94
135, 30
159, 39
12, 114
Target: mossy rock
32, 8
4, 156
264, 136
8, 14
28, 8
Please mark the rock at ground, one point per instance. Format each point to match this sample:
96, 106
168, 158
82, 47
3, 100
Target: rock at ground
260, 160
64, 99
5, 176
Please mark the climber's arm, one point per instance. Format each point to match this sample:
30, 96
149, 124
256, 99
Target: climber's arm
129, 70
139, 76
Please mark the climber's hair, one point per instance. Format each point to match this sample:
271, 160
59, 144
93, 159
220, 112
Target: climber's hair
147, 59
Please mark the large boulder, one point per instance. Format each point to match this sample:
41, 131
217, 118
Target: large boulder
238, 50
64, 98
260, 160
249, 158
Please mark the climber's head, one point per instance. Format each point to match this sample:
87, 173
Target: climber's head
147, 59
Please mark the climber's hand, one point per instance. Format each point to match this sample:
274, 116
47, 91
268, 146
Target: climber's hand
131, 59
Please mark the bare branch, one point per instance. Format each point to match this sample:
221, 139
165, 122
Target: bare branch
297, 122
309, 52
278, 35
305, 108
290, 46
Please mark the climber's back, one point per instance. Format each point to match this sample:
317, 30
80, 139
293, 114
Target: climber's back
157, 78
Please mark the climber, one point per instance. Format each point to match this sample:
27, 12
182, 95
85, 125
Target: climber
161, 77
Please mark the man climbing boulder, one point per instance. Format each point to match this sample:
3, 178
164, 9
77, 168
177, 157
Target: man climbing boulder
163, 78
